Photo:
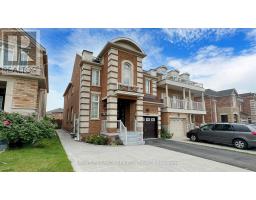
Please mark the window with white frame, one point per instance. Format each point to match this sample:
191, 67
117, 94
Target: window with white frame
1, 56
95, 106
147, 86
95, 77
127, 75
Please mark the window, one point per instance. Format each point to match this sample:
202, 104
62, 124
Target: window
207, 127
224, 118
147, 86
222, 127
127, 74
95, 77
94, 106
1, 56
241, 128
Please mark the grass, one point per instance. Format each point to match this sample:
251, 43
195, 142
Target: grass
49, 156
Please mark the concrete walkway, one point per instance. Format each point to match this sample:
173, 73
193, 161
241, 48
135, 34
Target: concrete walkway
144, 158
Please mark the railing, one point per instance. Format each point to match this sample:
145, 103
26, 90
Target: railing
182, 80
76, 129
122, 131
186, 105
104, 126
128, 88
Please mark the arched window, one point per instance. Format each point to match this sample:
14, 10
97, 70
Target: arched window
127, 75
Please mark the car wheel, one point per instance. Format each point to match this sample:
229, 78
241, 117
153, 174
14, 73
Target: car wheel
240, 144
194, 138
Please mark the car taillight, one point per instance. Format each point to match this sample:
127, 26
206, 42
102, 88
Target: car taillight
254, 133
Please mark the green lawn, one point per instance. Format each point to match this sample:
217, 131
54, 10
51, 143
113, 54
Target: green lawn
47, 157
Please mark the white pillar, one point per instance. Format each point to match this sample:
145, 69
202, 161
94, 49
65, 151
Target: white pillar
203, 120
189, 99
203, 101
167, 95
184, 93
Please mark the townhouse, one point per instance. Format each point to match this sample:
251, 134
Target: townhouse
222, 106
248, 107
23, 73
111, 94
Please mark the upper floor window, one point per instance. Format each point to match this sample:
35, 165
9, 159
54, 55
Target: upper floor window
127, 75
147, 86
1, 56
95, 106
95, 77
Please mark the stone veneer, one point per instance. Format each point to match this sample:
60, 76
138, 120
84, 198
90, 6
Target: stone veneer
85, 98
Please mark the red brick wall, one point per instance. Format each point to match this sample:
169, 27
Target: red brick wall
72, 99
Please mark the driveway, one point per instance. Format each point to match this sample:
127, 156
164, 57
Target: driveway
144, 158
243, 158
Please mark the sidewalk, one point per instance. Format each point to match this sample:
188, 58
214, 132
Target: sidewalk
142, 158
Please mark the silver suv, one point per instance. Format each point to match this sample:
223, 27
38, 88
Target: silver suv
241, 136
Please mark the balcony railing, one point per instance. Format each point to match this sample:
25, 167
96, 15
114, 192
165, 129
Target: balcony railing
127, 88
186, 105
182, 80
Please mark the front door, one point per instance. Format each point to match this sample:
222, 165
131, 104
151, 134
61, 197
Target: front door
121, 110
150, 127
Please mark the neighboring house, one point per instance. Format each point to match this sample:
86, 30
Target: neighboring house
57, 115
181, 104
249, 107
222, 106
23, 73
112, 95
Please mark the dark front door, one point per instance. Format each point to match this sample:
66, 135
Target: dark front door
121, 110
150, 127
2, 98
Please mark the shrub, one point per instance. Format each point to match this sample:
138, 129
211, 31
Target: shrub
97, 139
19, 130
165, 134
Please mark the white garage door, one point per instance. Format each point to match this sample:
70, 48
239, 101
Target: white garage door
177, 127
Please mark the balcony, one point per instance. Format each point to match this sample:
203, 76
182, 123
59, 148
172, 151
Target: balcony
177, 83
185, 106
181, 80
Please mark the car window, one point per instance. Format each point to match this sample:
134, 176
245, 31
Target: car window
253, 127
223, 127
241, 128
207, 127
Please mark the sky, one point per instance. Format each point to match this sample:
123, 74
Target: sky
218, 58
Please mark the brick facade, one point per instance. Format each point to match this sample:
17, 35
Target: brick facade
25, 91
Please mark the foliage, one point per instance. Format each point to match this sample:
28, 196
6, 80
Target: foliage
165, 134
21, 130
97, 139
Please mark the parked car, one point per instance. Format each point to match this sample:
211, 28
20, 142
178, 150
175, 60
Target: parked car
241, 136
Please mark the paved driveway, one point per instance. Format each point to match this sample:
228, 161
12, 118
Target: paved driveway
144, 158
228, 155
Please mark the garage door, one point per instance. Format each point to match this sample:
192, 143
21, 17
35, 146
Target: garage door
150, 127
177, 127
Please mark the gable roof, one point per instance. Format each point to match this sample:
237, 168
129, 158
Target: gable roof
57, 110
247, 94
221, 93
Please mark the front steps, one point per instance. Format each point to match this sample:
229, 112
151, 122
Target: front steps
133, 138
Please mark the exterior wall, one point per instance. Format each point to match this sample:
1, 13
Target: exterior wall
26, 93
21, 95
249, 107
211, 112
71, 97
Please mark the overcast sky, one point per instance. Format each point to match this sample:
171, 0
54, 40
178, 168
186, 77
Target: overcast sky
218, 58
